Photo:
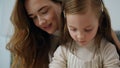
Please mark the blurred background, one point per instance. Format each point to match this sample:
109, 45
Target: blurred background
6, 28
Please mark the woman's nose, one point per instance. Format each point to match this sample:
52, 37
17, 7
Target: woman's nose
41, 20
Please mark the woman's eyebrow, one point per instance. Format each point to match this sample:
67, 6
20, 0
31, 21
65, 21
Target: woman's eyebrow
37, 11
41, 8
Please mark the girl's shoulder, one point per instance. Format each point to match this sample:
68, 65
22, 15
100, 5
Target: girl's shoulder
108, 54
106, 44
108, 49
65, 48
67, 45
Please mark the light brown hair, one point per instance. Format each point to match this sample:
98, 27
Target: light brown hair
28, 43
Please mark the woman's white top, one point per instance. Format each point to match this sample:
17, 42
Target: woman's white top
89, 56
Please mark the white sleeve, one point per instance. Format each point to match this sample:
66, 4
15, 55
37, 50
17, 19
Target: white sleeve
59, 59
110, 56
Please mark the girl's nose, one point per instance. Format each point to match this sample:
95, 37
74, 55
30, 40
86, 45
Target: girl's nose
80, 36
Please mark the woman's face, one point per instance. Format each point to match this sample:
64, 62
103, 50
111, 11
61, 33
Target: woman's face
45, 14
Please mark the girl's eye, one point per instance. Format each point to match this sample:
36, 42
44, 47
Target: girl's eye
88, 30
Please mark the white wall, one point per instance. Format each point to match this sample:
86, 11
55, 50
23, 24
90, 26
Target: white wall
113, 7
6, 28
5, 31
6, 7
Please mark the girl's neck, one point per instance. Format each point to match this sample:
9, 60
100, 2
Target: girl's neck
89, 45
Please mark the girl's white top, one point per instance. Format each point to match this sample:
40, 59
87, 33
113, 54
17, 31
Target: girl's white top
54, 44
89, 56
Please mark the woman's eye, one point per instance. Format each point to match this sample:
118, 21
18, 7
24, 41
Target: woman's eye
44, 11
35, 17
73, 29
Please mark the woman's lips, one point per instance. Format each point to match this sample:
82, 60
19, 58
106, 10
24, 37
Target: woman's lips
48, 27
82, 41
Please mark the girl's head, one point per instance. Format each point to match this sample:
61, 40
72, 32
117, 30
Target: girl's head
86, 20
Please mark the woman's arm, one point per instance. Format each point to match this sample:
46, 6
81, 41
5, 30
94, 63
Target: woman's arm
115, 38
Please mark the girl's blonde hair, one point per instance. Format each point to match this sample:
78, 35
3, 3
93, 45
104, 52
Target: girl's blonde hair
81, 7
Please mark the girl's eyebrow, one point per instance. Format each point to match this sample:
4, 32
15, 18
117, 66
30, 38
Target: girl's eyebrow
89, 26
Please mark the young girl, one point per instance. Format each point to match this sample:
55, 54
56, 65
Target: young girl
89, 46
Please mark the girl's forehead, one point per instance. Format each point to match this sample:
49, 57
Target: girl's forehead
83, 20
89, 15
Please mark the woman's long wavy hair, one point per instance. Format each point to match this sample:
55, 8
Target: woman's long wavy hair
81, 7
29, 44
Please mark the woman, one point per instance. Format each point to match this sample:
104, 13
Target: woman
36, 24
